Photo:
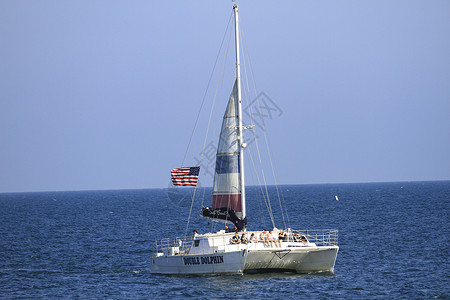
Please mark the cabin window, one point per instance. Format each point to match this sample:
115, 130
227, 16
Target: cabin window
196, 243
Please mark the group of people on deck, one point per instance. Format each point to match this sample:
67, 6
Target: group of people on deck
236, 239
227, 229
269, 238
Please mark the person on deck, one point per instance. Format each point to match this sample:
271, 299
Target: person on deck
235, 239
244, 239
272, 239
263, 238
281, 236
303, 239
227, 229
253, 238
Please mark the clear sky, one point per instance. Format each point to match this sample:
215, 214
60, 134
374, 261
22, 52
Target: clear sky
104, 94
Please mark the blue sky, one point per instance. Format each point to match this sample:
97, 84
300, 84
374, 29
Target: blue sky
104, 94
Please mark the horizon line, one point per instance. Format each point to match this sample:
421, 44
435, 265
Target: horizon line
162, 188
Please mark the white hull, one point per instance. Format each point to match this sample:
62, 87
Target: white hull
223, 263
213, 254
302, 260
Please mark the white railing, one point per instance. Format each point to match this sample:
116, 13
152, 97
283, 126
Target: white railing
173, 246
321, 237
186, 245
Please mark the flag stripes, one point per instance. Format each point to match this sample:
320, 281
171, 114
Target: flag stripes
185, 176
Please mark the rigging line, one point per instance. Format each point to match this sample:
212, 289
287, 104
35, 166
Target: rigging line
209, 121
259, 187
281, 194
260, 208
285, 207
259, 153
275, 178
267, 141
207, 88
219, 86
203, 195
265, 196
258, 198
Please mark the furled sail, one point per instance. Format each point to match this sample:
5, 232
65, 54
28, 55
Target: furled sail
227, 180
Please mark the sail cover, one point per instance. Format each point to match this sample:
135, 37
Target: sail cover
227, 181
225, 214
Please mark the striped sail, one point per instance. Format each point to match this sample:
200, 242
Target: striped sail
227, 182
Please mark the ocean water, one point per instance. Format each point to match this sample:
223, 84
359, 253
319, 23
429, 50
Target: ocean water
393, 238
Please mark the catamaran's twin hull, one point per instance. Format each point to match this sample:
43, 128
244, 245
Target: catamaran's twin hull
300, 260
217, 263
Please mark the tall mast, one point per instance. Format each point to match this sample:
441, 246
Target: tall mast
240, 128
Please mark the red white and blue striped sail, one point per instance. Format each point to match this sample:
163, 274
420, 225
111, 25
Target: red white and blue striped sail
227, 181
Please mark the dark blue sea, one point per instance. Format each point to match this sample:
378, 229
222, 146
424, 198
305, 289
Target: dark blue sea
393, 238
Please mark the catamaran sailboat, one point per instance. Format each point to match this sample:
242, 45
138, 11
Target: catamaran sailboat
302, 251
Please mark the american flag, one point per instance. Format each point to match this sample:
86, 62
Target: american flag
186, 176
